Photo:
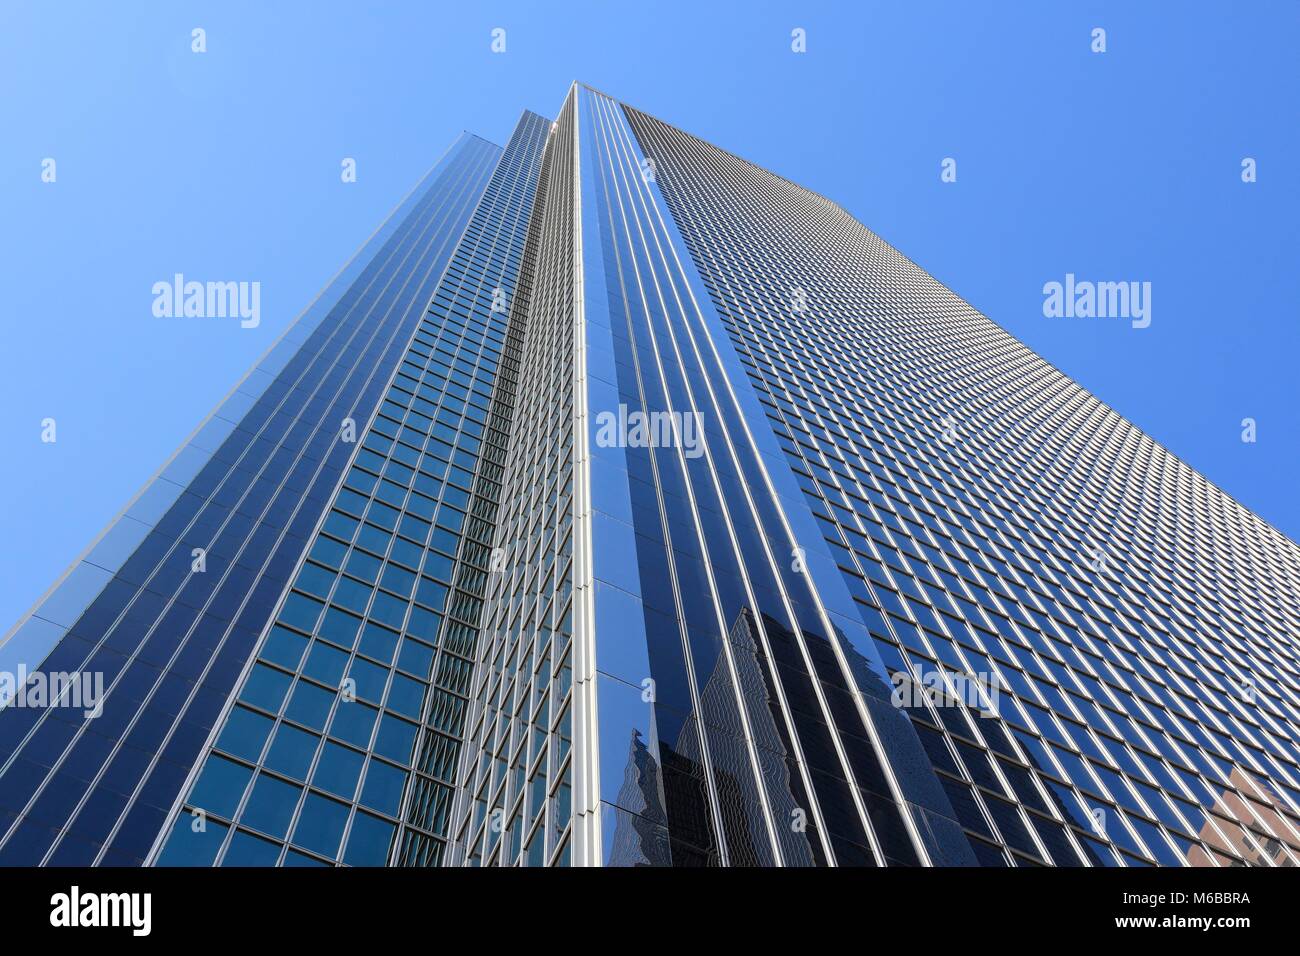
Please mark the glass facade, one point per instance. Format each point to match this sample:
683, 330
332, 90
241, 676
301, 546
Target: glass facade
347, 724
686, 523
248, 490
1129, 627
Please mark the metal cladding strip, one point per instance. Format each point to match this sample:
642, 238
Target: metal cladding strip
615, 235
615, 137
434, 199
586, 725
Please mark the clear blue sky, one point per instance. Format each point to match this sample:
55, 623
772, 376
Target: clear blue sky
225, 165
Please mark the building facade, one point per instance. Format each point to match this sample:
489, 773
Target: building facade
623, 503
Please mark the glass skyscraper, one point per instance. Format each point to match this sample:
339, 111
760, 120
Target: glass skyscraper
622, 503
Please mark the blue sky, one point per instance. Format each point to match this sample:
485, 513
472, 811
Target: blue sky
225, 165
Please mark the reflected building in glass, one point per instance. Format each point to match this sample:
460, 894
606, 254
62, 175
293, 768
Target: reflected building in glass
685, 523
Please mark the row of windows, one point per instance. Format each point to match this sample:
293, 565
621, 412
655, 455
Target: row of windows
353, 690
170, 664
976, 549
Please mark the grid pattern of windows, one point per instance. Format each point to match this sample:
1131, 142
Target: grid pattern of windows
872, 584
659, 683
753, 727
515, 801
171, 635
1130, 628
347, 726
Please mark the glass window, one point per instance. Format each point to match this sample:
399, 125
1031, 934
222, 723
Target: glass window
416, 657
270, 805
339, 627
406, 696
338, 770
283, 647
371, 679
320, 825
364, 566
378, 642
389, 610
352, 723
292, 751
310, 705
245, 733
326, 664
352, 595
368, 842
301, 611
383, 787
248, 850
185, 847
220, 785
395, 739
265, 687
314, 579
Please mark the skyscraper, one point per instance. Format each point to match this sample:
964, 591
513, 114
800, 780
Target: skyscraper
624, 503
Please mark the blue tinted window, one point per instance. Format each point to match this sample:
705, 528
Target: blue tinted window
383, 787
301, 611
406, 696
388, 610
340, 627
423, 624
320, 825
248, 850
363, 565
284, 647
395, 738
431, 593
245, 733
314, 580
220, 785
185, 847
265, 687
338, 770
352, 595
325, 664
415, 657
353, 722
291, 751
270, 805
310, 705
328, 551
368, 841
370, 679
301, 859
378, 642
